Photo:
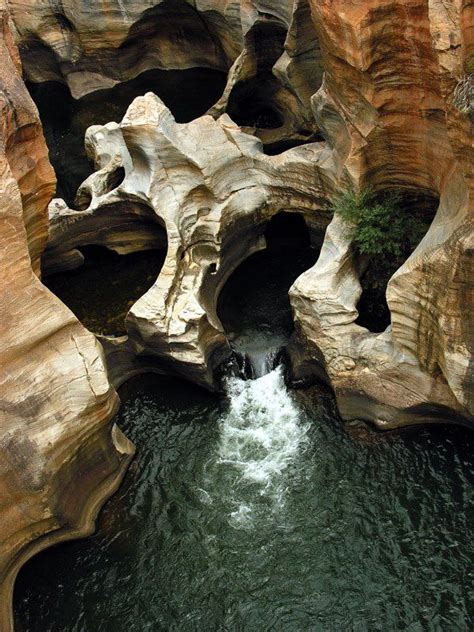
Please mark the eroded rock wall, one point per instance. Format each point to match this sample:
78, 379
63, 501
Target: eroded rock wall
395, 110
213, 189
269, 51
59, 455
392, 111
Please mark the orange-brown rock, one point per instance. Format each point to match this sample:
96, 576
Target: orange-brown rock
60, 457
396, 109
396, 106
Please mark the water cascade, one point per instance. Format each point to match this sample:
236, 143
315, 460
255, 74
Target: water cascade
254, 306
259, 513
261, 434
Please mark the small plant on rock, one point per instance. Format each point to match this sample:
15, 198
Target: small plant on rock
380, 226
384, 233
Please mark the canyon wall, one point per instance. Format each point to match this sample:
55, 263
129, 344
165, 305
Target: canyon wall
380, 93
314, 97
396, 106
59, 455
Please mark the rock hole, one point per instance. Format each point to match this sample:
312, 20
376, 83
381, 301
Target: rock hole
274, 149
252, 103
188, 94
254, 306
103, 289
115, 178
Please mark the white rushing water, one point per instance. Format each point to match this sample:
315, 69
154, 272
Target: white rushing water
261, 435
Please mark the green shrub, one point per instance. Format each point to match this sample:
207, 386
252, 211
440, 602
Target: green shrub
469, 64
385, 234
380, 227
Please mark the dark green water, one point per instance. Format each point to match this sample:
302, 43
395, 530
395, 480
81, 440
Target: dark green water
255, 514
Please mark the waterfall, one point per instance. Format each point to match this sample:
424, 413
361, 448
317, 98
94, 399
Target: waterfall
257, 353
261, 435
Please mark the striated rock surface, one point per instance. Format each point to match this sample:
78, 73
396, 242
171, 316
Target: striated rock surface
395, 109
60, 457
269, 52
213, 190
385, 87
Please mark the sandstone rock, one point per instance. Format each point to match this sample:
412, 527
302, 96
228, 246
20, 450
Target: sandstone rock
395, 107
92, 47
214, 190
392, 122
59, 455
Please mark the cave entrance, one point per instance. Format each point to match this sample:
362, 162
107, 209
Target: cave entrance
187, 93
252, 103
254, 306
101, 292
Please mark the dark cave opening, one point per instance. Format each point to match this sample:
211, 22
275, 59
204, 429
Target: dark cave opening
65, 120
374, 313
252, 102
274, 149
101, 291
254, 306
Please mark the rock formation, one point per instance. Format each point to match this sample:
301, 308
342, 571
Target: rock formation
213, 189
383, 129
391, 108
269, 52
311, 97
59, 455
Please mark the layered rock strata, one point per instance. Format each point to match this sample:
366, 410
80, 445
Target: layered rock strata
213, 189
395, 109
269, 52
60, 457
390, 122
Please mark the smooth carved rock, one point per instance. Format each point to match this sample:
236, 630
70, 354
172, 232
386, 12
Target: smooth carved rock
372, 377
212, 188
394, 122
395, 107
60, 457
214, 196
389, 120
264, 48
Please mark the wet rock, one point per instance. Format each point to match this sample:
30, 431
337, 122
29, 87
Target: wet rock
60, 455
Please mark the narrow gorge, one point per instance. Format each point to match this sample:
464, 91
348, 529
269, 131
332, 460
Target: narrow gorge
237, 305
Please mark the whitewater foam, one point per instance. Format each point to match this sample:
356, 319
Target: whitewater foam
261, 434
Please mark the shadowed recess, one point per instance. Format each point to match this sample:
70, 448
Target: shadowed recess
103, 289
374, 313
252, 102
254, 306
187, 93
273, 149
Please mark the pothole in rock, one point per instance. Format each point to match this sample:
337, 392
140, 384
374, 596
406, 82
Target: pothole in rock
103, 289
252, 103
374, 313
254, 306
275, 109
187, 93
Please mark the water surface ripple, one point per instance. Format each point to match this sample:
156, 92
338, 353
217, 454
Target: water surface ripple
255, 514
